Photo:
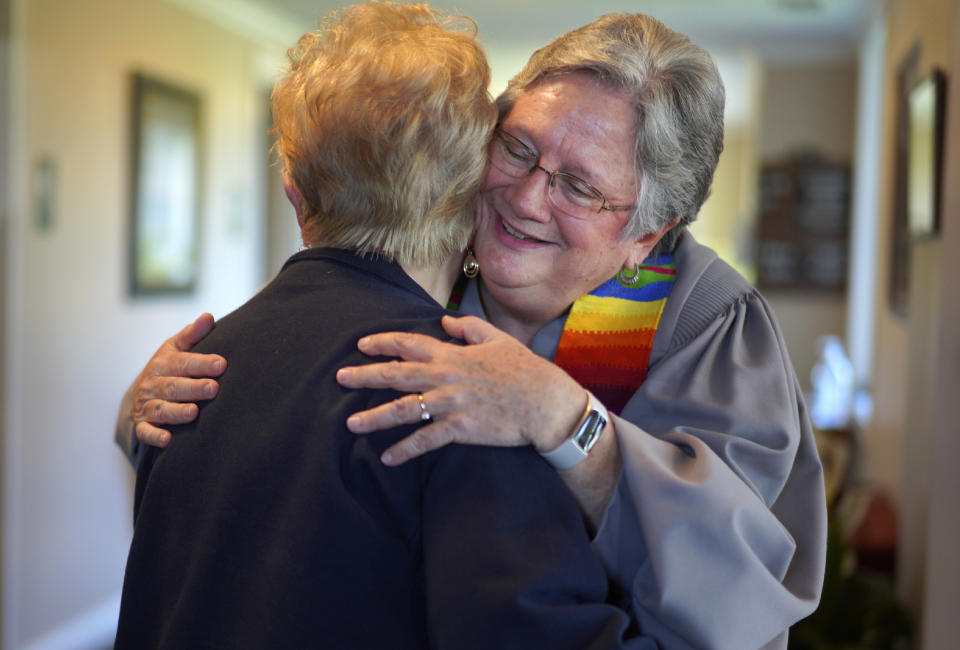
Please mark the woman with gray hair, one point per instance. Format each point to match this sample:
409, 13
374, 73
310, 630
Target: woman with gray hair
670, 408
301, 537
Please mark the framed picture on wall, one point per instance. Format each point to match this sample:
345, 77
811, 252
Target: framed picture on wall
925, 154
165, 188
899, 269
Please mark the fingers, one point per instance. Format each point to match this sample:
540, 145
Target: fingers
194, 364
158, 411
406, 345
165, 391
194, 332
170, 362
471, 329
413, 374
151, 435
174, 358
418, 443
174, 389
405, 376
403, 410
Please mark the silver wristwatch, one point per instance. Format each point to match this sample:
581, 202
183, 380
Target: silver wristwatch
575, 448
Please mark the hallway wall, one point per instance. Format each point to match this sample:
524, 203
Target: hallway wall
75, 339
4, 191
808, 107
942, 584
75, 336
911, 441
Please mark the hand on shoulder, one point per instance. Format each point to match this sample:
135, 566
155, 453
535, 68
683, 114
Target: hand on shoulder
167, 389
492, 391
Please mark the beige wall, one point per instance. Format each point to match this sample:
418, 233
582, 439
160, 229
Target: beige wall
4, 177
726, 220
942, 585
808, 108
910, 22
75, 336
909, 360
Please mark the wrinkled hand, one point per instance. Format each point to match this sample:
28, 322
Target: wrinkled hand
166, 390
492, 391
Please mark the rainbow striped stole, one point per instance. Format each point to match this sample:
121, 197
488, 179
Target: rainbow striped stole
609, 332
456, 294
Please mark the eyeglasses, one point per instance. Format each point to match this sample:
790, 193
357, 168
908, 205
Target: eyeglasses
570, 194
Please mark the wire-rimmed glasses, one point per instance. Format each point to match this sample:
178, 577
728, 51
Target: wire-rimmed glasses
570, 194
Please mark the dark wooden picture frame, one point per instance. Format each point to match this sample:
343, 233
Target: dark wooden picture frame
165, 188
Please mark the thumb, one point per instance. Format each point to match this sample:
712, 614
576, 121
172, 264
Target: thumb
471, 329
194, 332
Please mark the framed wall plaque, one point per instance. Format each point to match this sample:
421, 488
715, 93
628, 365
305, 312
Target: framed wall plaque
165, 192
803, 225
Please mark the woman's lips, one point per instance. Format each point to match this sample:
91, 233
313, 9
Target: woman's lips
515, 233
513, 237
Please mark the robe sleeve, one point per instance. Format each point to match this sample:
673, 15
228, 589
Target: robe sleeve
716, 534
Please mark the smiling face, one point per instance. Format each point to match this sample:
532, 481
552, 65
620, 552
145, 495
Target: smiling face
536, 260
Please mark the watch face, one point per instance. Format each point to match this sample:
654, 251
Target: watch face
587, 436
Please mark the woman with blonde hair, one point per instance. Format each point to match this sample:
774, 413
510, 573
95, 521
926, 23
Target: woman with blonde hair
643, 367
301, 537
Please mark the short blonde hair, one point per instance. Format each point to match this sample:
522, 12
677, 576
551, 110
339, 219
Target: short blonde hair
382, 123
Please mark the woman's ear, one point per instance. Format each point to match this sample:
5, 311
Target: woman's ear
293, 195
642, 247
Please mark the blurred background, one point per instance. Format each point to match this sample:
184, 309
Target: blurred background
104, 101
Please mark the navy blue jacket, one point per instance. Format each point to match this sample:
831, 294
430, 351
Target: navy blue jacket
266, 524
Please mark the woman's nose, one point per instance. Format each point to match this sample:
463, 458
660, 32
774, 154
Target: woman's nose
528, 196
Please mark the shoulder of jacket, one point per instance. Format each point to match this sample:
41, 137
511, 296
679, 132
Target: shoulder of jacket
715, 289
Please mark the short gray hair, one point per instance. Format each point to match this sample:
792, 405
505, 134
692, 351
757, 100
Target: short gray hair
678, 100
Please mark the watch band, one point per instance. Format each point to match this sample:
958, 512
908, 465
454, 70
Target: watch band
575, 448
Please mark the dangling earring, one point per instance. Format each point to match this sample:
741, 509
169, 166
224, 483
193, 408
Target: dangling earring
471, 267
628, 277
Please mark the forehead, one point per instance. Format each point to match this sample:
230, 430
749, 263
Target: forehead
578, 125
